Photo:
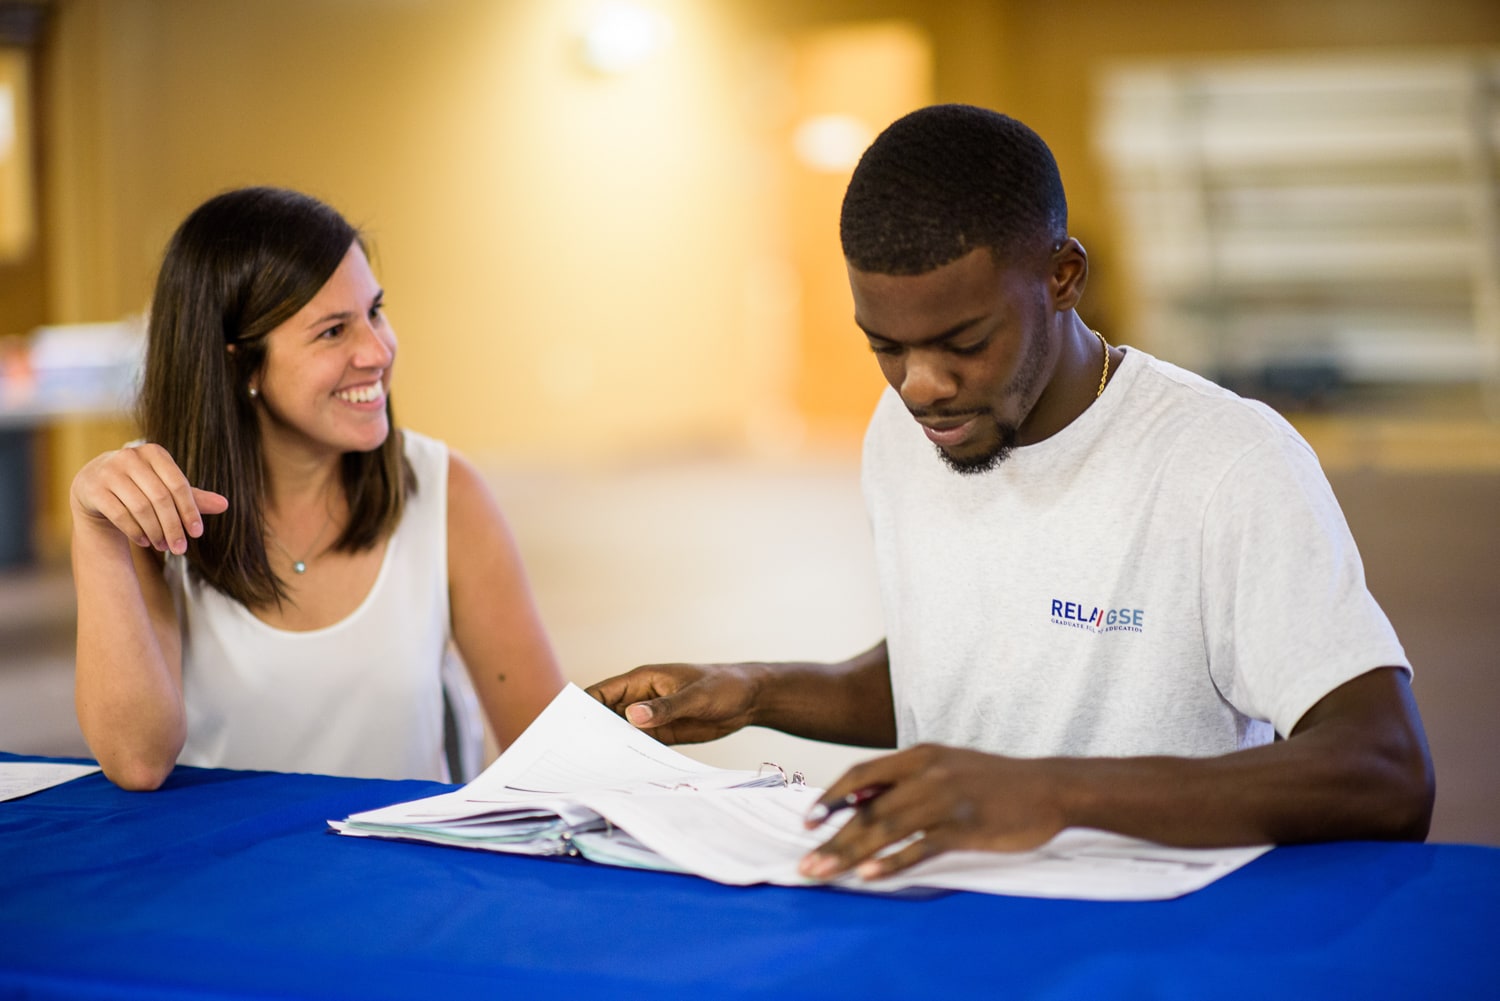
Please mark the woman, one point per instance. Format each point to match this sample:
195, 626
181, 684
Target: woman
272, 579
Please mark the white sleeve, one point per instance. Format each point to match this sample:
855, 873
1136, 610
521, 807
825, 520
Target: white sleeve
1288, 617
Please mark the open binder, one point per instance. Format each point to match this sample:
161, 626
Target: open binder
554, 790
581, 781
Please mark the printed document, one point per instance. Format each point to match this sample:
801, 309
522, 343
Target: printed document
582, 781
22, 778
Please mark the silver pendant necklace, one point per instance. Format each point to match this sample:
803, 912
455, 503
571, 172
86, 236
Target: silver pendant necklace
299, 567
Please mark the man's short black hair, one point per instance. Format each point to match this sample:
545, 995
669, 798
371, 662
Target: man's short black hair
943, 180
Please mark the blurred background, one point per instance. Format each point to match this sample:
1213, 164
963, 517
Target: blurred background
608, 235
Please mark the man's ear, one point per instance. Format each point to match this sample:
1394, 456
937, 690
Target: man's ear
1070, 273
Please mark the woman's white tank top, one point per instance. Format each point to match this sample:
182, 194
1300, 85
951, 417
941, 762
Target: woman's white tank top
363, 696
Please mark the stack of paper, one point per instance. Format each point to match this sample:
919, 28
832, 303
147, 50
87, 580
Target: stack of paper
538, 798
582, 781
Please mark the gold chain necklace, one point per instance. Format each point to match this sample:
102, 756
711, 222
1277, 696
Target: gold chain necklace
300, 566
1103, 376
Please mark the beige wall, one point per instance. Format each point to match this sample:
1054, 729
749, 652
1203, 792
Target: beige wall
579, 267
565, 254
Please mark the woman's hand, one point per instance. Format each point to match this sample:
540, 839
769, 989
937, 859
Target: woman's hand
142, 493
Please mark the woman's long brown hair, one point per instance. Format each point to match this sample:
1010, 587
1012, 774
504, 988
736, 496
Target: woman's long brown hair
239, 266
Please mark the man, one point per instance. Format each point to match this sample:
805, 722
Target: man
1109, 586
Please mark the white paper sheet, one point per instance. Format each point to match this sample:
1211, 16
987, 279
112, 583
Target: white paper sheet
575, 745
756, 836
22, 778
1082, 864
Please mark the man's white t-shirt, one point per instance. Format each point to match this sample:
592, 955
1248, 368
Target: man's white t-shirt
1169, 574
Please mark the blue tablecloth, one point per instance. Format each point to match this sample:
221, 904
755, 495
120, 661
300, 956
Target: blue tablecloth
228, 884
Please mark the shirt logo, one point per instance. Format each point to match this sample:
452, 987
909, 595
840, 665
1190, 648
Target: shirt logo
1096, 618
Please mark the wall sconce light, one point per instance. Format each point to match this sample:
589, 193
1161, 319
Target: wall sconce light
831, 144
17, 191
7, 120
617, 36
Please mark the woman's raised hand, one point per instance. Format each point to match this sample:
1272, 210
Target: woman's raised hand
141, 492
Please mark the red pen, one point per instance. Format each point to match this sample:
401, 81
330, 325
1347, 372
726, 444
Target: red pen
859, 797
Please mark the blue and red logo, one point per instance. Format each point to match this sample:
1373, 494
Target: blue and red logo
1097, 618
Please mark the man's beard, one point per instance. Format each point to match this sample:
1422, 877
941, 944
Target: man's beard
983, 463
1021, 385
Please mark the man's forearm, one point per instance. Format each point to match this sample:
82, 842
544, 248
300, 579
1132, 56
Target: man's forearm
1355, 767
1345, 773
844, 703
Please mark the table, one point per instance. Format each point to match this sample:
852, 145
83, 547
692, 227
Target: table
228, 884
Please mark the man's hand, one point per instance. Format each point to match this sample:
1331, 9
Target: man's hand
848, 702
683, 703
938, 799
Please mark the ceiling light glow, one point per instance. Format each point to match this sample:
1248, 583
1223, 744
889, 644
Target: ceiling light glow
618, 37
